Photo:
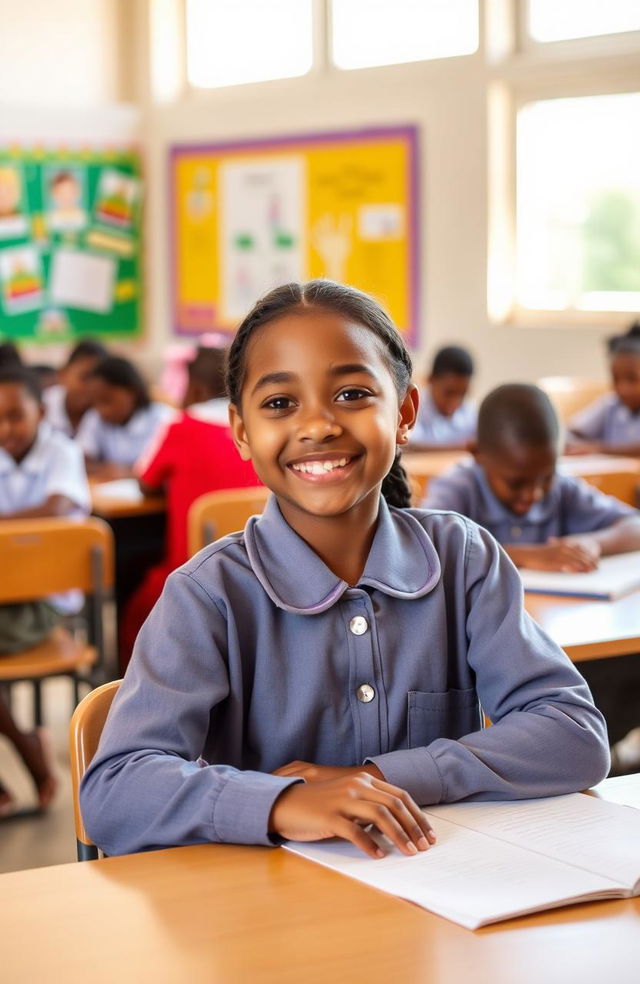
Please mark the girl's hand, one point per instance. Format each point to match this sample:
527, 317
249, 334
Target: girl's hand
317, 773
342, 807
583, 447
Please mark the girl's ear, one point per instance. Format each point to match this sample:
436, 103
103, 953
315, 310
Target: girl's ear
238, 432
407, 414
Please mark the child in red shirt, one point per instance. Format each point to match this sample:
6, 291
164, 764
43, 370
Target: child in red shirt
190, 456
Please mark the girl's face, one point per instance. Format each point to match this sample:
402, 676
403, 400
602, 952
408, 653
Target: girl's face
320, 417
115, 404
20, 415
625, 372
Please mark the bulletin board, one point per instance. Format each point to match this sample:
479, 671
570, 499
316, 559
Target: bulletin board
247, 216
70, 243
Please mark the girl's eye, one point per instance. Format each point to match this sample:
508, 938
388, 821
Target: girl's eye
353, 393
278, 403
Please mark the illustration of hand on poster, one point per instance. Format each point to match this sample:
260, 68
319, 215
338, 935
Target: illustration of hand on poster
331, 237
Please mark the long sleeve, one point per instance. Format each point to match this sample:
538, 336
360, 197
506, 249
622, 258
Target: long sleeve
148, 785
546, 737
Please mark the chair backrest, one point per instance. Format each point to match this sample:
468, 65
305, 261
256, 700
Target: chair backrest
217, 513
84, 735
44, 556
569, 394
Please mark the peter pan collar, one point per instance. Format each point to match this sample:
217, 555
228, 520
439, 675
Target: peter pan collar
402, 561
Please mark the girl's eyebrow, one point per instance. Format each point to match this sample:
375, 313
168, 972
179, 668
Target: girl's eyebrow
288, 377
273, 377
352, 367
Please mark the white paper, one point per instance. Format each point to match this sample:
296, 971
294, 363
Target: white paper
614, 576
122, 489
493, 861
82, 280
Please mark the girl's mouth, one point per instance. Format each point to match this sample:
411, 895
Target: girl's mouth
322, 469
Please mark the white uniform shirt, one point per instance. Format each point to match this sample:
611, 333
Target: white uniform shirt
214, 411
122, 444
53, 466
55, 410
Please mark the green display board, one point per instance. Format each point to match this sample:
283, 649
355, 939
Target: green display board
70, 244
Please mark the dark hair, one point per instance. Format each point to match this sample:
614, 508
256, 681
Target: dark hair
117, 371
627, 344
452, 359
86, 348
518, 413
208, 368
352, 304
9, 355
22, 376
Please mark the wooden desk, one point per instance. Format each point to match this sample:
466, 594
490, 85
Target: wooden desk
589, 629
612, 475
219, 913
115, 507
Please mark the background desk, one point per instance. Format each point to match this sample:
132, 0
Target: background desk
219, 913
612, 475
589, 629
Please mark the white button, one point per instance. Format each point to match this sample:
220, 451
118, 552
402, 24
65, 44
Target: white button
365, 693
358, 625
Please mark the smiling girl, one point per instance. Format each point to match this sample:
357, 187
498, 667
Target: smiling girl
325, 669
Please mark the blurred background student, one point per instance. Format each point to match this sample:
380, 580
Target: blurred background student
122, 420
446, 417
68, 400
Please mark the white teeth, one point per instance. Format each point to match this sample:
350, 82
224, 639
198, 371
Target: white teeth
319, 467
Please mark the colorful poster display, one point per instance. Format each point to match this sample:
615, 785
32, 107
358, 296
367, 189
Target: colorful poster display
70, 243
248, 216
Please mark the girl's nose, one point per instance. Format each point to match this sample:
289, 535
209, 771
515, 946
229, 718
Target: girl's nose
319, 425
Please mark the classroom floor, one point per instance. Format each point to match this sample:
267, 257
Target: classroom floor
39, 839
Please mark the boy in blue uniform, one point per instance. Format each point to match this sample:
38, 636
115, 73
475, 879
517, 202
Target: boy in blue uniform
446, 418
544, 520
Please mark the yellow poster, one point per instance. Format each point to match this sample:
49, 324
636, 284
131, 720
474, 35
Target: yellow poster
249, 216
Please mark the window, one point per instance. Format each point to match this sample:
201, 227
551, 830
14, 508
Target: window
230, 42
366, 33
558, 20
578, 203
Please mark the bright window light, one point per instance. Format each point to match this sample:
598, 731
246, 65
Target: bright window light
230, 42
578, 204
389, 32
558, 20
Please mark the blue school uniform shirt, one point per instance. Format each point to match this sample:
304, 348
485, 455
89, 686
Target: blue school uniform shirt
432, 427
608, 420
571, 506
122, 444
54, 465
257, 654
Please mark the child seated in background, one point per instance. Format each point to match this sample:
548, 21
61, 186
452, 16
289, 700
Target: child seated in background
41, 474
446, 419
611, 425
190, 456
123, 420
67, 402
543, 519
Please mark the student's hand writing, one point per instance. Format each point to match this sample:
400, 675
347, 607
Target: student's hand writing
343, 807
311, 772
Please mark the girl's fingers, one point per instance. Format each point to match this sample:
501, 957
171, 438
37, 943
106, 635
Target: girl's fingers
414, 819
349, 830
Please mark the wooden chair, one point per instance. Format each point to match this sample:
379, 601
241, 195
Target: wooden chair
217, 513
571, 393
84, 735
41, 557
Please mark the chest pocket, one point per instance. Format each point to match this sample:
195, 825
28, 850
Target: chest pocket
441, 715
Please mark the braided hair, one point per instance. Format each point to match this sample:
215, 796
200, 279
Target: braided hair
352, 304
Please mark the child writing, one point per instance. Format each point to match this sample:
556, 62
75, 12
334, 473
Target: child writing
69, 399
446, 419
611, 425
543, 519
324, 669
188, 457
122, 421
41, 474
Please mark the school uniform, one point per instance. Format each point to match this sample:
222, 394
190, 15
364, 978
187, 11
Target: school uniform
54, 465
571, 506
257, 654
122, 444
607, 420
432, 427
215, 411
56, 414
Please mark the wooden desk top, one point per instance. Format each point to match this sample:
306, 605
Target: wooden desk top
589, 629
221, 913
111, 507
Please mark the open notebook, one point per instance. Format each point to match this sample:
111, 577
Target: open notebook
495, 861
614, 576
